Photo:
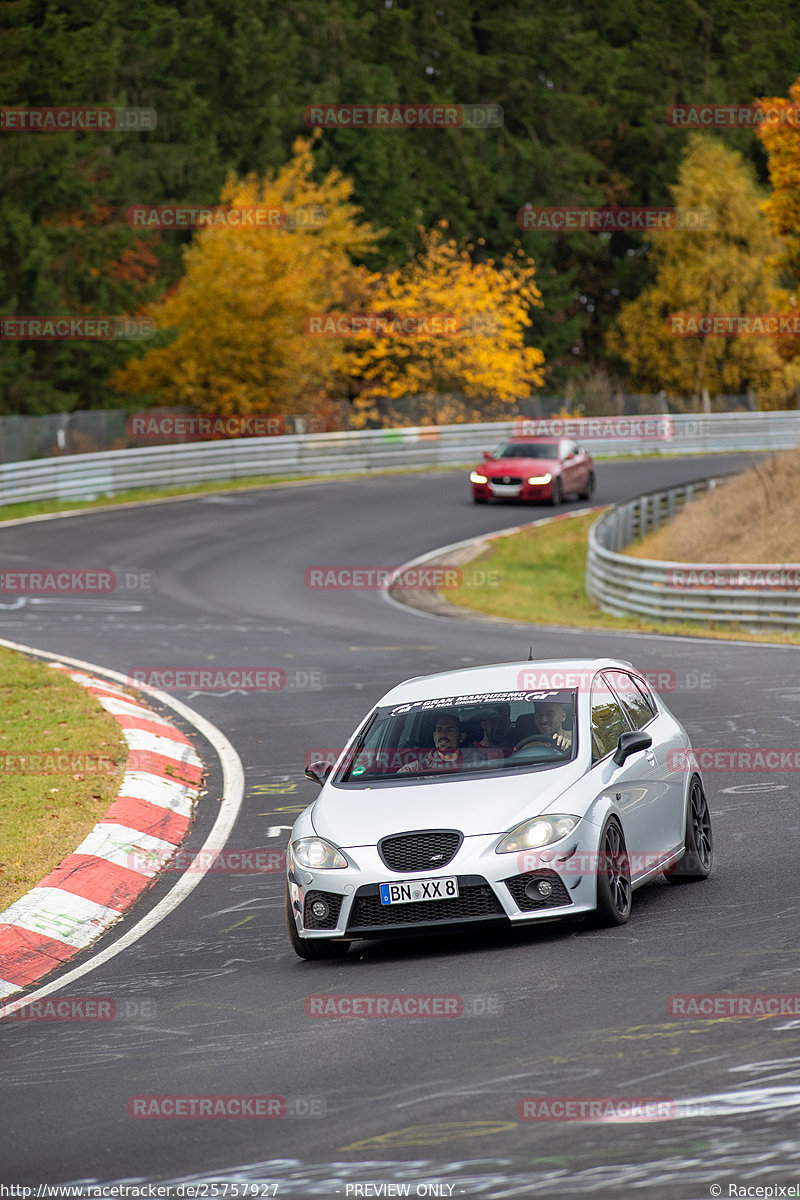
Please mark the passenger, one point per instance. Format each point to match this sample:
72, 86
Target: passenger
446, 755
496, 726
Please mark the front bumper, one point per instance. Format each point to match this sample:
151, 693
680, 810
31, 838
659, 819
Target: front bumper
525, 491
494, 889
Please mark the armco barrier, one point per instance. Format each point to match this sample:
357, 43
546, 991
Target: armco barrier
627, 586
89, 476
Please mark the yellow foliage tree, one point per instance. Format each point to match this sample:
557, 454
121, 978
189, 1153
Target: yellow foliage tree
480, 358
721, 270
240, 309
781, 140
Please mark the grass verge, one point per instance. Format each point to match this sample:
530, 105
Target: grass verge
544, 573
61, 763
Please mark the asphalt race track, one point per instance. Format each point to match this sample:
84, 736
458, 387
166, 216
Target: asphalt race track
211, 1002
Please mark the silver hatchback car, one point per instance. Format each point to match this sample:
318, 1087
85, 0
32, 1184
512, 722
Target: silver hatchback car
504, 794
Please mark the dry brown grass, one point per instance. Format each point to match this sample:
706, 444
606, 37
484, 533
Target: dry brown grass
755, 518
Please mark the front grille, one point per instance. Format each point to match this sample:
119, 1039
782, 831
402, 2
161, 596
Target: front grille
504, 479
423, 850
518, 885
475, 901
334, 903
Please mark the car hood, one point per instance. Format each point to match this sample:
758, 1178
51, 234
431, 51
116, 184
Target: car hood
518, 466
483, 805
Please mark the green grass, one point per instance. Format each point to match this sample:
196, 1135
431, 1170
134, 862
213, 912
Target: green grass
46, 810
543, 582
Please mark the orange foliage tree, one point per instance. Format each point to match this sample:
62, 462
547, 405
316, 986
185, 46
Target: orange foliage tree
473, 366
781, 139
239, 311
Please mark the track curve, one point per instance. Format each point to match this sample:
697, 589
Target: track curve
215, 994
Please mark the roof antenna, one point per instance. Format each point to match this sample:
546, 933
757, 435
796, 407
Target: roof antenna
530, 654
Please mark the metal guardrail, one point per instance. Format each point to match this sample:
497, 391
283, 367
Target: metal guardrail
106, 473
628, 586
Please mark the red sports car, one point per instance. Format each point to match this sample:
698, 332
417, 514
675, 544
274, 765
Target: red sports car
537, 468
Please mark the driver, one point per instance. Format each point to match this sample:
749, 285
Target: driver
549, 721
446, 755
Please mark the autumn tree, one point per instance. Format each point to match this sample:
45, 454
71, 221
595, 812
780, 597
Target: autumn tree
240, 310
782, 142
720, 270
473, 350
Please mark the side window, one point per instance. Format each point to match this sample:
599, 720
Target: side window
608, 720
643, 687
638, 707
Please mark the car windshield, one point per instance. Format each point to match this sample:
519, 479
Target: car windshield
529, 450
464, 735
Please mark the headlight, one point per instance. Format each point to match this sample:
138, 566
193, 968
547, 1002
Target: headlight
313, 852
540, 478
541, 831
476, 478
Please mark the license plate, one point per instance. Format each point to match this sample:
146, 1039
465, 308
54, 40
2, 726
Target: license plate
416, 890
506, 489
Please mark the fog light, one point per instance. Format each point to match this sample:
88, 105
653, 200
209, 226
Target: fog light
319, 909
544, 887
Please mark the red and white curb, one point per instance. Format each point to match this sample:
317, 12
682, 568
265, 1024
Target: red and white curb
132, 843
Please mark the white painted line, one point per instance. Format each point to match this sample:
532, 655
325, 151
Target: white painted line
61, 915
229, 807
127, 708
143, 739
92, 681
6, 988
128, 847
179, 797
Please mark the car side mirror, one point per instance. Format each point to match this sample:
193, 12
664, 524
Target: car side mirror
318, 771
631, 742
487, 454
